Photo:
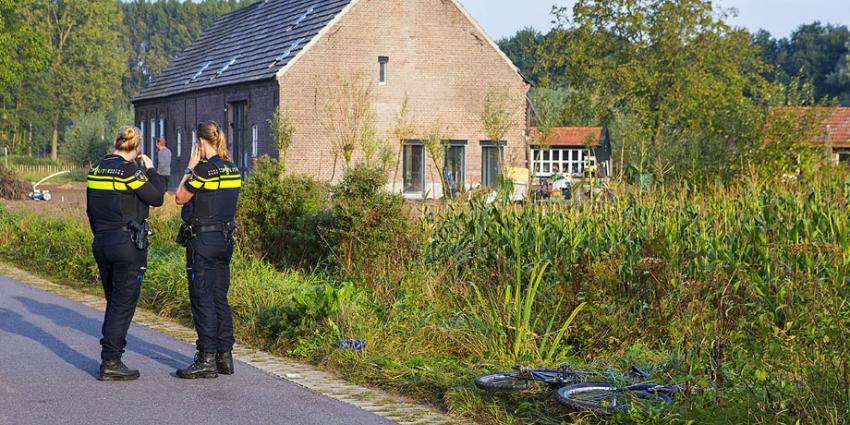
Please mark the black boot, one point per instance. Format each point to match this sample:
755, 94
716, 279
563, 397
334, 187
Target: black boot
203, 367
115, 370
224, 363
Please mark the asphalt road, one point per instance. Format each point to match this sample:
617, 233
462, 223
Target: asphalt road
49, 357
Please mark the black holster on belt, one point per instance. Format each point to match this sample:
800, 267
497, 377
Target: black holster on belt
139, 233
185, 234
190, 231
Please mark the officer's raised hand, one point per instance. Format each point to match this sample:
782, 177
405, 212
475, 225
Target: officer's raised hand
146, 161
195, 158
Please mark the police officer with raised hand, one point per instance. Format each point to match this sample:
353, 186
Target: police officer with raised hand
209, 193
120, 189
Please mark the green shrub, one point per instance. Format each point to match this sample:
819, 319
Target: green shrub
88, 139
303, 311
280, 216
371, 233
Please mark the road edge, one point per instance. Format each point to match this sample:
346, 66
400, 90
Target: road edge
321, 382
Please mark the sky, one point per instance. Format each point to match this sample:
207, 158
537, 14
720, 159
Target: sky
502, 18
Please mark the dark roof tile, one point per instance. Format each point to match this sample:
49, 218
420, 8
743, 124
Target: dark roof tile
249, 44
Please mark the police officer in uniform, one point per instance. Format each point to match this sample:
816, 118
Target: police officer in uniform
209, 193
119, 192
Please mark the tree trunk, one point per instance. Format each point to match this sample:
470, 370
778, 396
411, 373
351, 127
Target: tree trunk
54, 143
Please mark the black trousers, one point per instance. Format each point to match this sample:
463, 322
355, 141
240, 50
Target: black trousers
122, 269
164, 181
208, 268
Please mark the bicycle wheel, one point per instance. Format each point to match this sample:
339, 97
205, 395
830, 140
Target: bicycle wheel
510, 381
607, 398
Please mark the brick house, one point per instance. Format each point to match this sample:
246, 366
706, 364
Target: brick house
295, 54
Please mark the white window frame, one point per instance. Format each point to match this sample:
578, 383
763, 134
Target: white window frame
254, 142
153, 136
161, 133
573, 159
142, 138
383, 70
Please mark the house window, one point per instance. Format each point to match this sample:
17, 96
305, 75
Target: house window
414, 168
194, 139
561, 160
491, 164
179, 144
254, 141
142, 138
454, 167
161, 133
382, 73
153, 137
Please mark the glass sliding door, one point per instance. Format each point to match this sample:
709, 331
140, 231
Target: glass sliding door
491, 165
454, 168
413, 170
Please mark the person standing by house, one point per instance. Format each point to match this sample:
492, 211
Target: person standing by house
119, 193
163, 161
209, 193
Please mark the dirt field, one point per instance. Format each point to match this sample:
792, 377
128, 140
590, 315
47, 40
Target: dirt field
67, 199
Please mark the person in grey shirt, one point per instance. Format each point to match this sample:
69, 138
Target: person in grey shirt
163, 161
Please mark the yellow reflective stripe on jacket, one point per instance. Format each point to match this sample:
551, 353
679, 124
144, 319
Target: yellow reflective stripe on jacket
231, 183
95, 177
135, 184
105, 185
113, 183
215, 183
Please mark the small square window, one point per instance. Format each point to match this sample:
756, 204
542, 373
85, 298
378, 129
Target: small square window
383, 61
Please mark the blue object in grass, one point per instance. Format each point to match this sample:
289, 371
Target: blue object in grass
351, 344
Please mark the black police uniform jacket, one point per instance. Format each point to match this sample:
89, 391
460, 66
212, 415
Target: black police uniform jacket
118, 192
216, 184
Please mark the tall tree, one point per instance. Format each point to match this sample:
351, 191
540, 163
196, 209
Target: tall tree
86, 59
22, 53
522, 50
814, 52
21, 50
685, 76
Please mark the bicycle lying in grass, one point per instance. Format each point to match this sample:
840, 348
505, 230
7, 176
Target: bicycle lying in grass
575, 390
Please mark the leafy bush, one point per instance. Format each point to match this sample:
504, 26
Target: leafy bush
87, 139
304, 309
370, 230
289, 221
280, 216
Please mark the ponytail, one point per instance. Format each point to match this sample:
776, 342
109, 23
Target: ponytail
212, 133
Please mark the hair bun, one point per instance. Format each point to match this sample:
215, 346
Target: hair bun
128, 133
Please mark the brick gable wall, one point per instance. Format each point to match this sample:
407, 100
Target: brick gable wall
437, 59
